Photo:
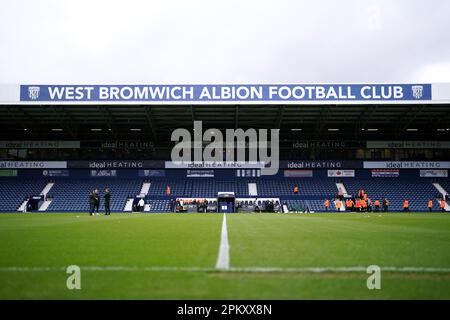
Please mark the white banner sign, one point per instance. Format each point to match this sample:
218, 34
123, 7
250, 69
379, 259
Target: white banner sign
213, 165
408, 144
55, 173
406, 164
200, 173
434, 173
33, 164
393, 173
298, 173
341, 173
103, 173
40, 144
248, 173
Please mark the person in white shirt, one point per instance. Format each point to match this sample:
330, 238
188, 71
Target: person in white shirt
141, 205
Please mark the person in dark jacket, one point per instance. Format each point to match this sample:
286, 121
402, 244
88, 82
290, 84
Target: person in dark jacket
91, 203
96, 201
107, 198
385, 204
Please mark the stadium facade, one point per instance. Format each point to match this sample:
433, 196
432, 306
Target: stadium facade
58, 142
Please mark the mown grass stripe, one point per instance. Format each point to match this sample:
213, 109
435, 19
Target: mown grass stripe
232, 269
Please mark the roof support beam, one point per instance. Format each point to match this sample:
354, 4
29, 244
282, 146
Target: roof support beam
148, 114
65, 123
320, 121
110, 122
280, 117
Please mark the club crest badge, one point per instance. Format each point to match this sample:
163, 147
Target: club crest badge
33, 92
417, 91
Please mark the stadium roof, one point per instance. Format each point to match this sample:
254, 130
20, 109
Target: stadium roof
155, 122
151, 112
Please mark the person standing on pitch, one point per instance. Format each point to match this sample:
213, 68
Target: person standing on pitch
377, 205
326, 204
442, 204
141, 205
97, 201
107, 198
91, 203
406, 205
338, 205
430, 205
385, 205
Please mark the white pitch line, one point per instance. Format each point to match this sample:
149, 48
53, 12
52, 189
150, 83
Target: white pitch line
354, 269
223, 259
340, 269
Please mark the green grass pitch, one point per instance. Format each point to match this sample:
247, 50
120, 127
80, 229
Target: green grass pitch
173, 256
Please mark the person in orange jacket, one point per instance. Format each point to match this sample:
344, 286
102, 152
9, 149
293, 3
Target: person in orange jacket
338, 205
430, 205
363, 205
405, 205
352, 205
442, 204
326, 204
358, 205
348, 205
377, 205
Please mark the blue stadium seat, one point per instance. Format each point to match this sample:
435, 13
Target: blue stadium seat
72, 194
417, 191
13, 191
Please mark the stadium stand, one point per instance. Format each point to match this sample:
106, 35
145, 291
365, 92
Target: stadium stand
395, 190
445, 183
72, 194
210, 188
177, 187
14, 192
316, 187
158, 205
